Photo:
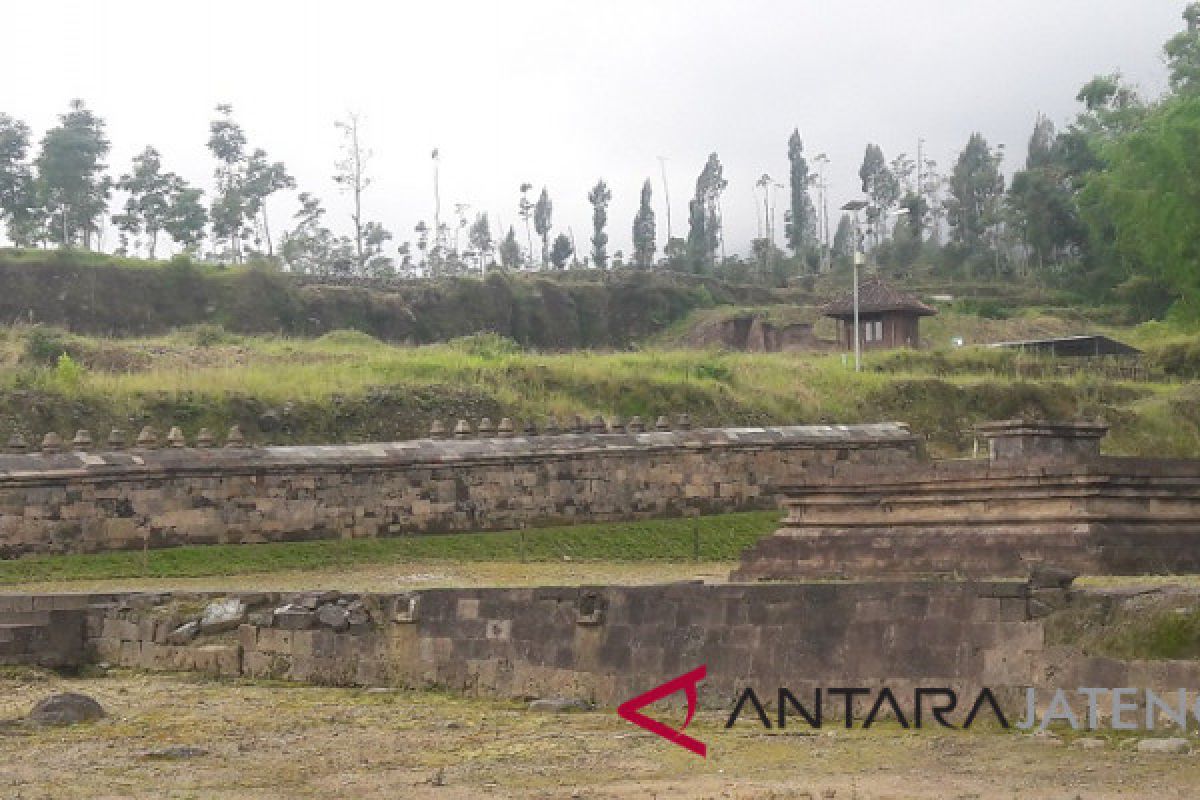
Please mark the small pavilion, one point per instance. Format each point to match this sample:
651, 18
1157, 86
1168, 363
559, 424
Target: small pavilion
887, 317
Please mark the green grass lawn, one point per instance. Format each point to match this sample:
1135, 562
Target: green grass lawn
707, 539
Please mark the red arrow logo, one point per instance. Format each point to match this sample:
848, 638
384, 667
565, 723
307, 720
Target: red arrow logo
629, 710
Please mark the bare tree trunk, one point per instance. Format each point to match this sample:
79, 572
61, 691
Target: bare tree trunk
267, 231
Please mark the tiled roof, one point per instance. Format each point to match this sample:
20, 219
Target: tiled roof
876, 295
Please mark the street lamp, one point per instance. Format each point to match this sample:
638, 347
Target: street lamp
854, 207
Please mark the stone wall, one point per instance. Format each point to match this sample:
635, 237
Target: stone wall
605, 645
987, 519
85, 502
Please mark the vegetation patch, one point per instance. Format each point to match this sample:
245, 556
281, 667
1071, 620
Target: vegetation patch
705, 539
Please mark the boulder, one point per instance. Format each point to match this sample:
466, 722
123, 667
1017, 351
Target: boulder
223, 615
66, 709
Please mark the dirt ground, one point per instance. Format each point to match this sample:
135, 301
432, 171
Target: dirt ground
413, 575
265, 742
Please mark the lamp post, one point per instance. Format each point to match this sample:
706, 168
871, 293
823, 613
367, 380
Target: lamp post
854, 207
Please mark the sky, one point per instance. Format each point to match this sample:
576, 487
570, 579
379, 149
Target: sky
561, 94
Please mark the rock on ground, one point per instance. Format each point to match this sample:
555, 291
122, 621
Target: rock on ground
223, 615
66, 709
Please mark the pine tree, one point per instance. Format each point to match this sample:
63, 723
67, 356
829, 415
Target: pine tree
802, 217
644, 232
543, 215
600, 197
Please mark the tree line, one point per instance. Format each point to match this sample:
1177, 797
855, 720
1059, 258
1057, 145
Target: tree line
1109, 206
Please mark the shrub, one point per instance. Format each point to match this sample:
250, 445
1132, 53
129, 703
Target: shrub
68, 373
345, 337
44, 345
1180, 359
486, 345
208, 335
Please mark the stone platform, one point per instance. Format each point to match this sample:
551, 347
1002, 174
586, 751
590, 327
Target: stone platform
1044, 498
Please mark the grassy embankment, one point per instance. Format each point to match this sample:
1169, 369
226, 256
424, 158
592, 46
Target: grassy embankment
705, 539
346, 386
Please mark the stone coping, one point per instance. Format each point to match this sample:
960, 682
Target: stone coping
20, 467
954, 473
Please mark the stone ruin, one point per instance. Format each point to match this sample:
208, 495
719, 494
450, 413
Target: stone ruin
1044, 497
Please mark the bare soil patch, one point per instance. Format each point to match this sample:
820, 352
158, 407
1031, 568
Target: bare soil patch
179, 737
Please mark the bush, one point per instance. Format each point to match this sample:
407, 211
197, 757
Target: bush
1180, 359
988, 309
44, 345
486, 345
208, 335
345, 337
68, 373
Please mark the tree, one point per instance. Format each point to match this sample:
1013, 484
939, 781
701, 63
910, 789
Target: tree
17, 195
373, 262
600, 197
312, 248
698, 254
1146, 205
879, 183
244, 182
1041, 199
510, 251
351, 176
263, 179
227, 143
802, 217
543, 214
1183, 54
481, 239
843, 241
525, 212
676, 253
644, 233
422, 231
704, 216
976, 187
71, 183
562, 251
154, 202
186, 217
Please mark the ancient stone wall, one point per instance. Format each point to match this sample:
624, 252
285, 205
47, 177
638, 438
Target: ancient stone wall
80, 501
987, 519
605, 645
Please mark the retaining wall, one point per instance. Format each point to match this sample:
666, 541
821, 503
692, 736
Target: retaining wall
87, 502
608, 644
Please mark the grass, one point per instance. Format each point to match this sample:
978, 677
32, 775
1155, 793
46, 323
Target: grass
1154, 625
347, 386
706, 539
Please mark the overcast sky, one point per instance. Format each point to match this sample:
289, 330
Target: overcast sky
564, 93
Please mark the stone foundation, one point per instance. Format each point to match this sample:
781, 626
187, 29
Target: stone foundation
1038, 502
607, 644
